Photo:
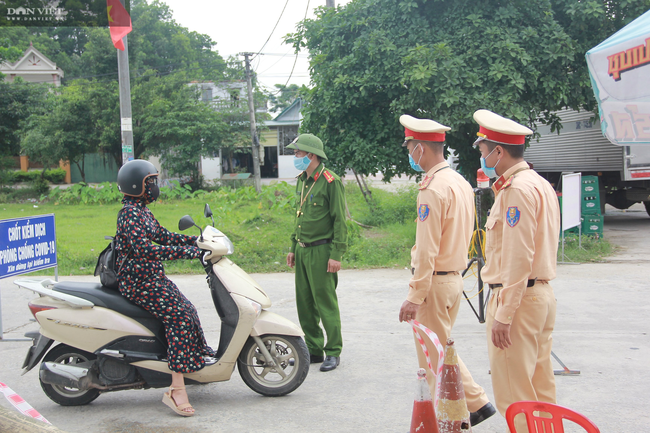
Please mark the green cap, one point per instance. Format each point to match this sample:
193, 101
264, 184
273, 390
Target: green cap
308, 143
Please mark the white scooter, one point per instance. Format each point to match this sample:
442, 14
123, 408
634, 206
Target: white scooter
107, 343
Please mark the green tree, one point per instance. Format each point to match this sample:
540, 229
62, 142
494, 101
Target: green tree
373, 60
66, 132
177, 126
18, 101
284, 96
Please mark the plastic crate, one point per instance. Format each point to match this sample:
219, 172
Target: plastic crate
590, 204
592, 224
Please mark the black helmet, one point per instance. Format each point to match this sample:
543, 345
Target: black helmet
132, 176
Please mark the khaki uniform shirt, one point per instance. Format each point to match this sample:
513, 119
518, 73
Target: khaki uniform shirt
320, 211
444, 228
522, 233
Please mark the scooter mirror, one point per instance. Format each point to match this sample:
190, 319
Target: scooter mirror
185, 223
207, 211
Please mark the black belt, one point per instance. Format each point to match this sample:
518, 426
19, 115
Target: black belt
315, 243
436, 272
531, 283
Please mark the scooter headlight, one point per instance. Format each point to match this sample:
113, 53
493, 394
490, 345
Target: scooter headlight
226, 243
215, 235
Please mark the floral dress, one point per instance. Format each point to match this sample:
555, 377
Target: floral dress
142, 280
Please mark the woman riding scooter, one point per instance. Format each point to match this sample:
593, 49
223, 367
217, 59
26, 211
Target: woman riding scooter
142, 277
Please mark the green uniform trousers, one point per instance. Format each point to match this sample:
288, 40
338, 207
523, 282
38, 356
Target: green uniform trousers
316, 300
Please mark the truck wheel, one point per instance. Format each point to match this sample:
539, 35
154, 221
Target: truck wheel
647, 207
285, 376
64, 354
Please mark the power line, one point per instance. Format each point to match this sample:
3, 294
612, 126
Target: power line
296, 59
276, 25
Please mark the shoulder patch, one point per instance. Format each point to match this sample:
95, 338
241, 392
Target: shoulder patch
423, 212
512, 216
328, 176
508, 182
425, 182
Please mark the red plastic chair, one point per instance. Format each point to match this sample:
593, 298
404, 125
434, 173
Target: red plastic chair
538, 424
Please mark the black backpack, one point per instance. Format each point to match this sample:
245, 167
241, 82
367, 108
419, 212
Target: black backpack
106, 267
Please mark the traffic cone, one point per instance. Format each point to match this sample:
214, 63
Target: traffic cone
424, 416
452, 410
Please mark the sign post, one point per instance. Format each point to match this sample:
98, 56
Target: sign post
26, 245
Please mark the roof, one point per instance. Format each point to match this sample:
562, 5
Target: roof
289, 116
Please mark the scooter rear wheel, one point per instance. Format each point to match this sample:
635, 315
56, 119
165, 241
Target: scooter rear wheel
281, 379
64, 354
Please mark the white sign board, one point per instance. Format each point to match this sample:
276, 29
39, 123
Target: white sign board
571, 199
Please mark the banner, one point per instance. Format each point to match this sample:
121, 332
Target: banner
27, 245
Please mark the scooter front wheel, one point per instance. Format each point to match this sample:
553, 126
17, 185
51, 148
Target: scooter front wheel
281, 377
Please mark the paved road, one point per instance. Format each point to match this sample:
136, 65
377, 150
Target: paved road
602, 330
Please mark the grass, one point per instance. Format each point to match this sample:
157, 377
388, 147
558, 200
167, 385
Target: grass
259, 227
593, 249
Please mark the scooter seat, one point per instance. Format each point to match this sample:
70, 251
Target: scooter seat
103, 297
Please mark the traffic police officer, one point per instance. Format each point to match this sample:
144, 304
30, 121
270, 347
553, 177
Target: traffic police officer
318, 241
444, 228
522, 232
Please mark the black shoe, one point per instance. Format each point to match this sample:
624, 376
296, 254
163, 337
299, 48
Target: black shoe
482, 414
313, 359
330, 363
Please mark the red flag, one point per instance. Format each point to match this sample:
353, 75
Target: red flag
119, 22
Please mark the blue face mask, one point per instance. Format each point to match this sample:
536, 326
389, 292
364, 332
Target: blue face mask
415, 166
301, 163
489, 171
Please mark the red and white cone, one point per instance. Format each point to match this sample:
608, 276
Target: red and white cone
424, 415
453, 416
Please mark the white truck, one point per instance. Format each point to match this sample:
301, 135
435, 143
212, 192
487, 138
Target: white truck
623, 171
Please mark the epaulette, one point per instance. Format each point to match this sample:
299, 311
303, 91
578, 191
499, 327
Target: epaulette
508, 182
425, 182
328, 176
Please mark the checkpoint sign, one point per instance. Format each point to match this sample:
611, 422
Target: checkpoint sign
27, 244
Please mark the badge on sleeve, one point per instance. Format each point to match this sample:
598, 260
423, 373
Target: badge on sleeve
513, 215
423, 212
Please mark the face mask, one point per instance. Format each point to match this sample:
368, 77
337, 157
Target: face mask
151, 192
415, 166
301, 163
489, 171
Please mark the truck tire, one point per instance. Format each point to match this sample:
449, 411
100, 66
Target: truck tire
647, 207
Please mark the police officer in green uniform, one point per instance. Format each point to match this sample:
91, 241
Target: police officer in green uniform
318, 241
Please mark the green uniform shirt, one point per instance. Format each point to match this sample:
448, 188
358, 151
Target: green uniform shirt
322, 214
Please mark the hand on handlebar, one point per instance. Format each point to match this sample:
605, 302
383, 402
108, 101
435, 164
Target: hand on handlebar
207, 253
206, 256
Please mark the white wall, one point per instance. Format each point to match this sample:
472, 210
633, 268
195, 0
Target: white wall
211, 169
286, 169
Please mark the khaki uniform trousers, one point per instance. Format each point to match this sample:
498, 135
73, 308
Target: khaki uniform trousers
438, 312
524, 371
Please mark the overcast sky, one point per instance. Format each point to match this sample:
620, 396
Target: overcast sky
245, 25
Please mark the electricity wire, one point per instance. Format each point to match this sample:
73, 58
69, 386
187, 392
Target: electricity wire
276, 25
296, 59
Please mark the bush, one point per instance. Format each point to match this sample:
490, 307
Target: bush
56, 175
41, 186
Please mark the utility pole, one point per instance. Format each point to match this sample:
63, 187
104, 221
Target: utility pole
125, 101
251, 109
330, 3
